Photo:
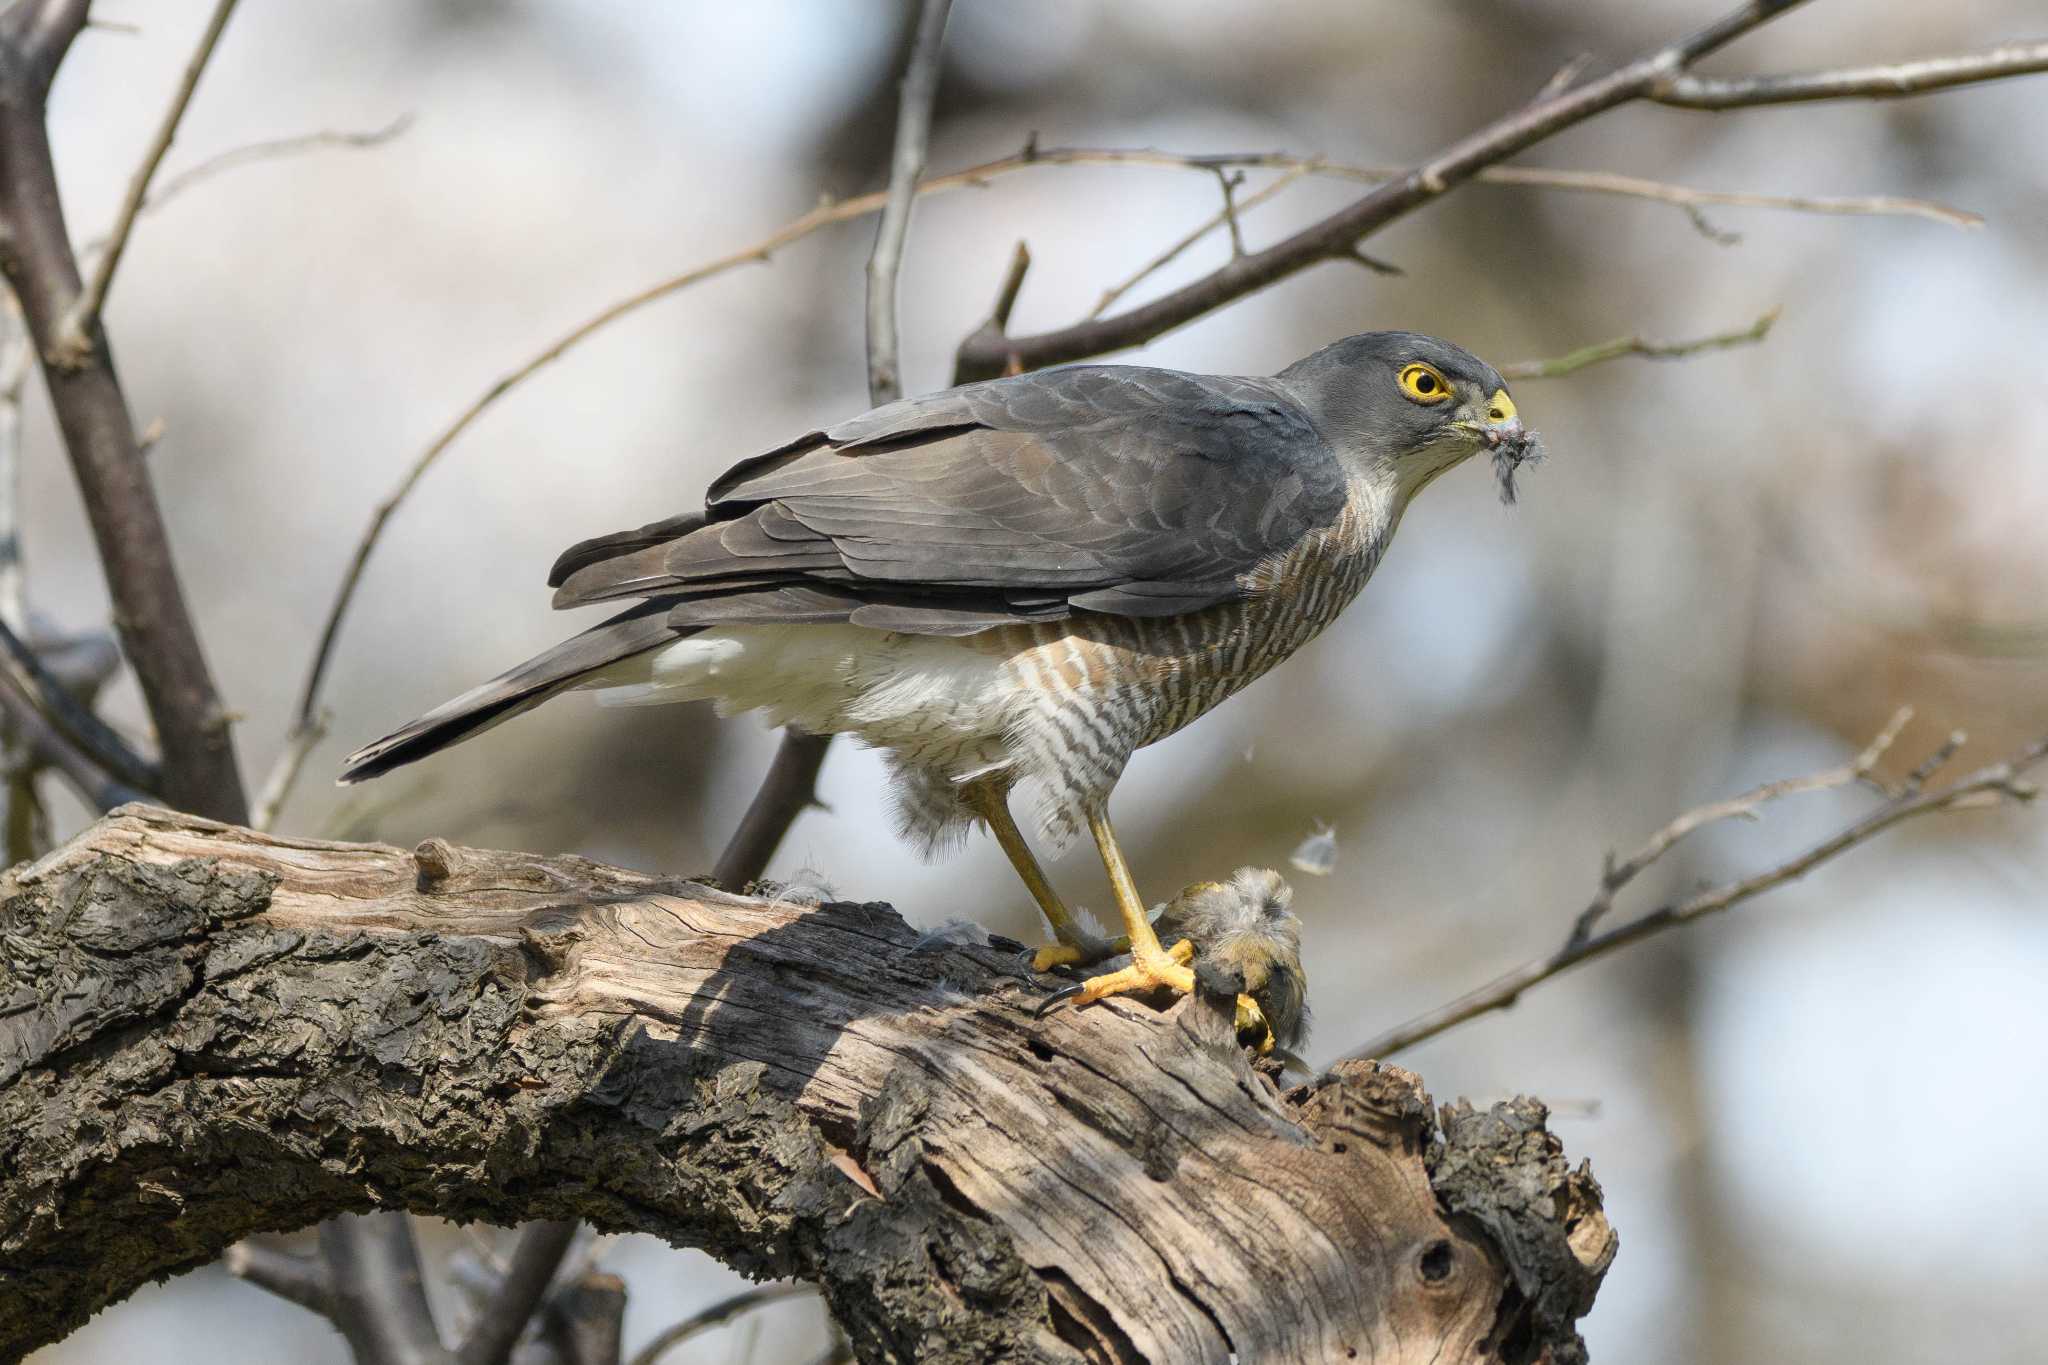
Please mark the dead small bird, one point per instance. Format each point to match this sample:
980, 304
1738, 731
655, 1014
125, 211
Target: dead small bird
1242, 938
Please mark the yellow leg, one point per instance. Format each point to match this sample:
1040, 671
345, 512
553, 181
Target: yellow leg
1152, 967
1076, 945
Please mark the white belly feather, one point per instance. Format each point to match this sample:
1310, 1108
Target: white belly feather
933, 700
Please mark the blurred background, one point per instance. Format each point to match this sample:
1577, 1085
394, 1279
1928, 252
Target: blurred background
1816, 1119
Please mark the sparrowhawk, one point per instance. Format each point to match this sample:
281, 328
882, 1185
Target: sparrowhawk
1019, 582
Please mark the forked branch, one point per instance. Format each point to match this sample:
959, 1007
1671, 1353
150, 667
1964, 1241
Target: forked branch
1996, 783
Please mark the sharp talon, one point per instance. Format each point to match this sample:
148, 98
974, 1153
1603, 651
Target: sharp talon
1045, 1005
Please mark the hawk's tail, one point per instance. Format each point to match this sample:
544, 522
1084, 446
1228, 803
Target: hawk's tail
521, 689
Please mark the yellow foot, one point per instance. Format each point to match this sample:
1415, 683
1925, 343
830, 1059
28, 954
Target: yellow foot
1169, 971
1084, 954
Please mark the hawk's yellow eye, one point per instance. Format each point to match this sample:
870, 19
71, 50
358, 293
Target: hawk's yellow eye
1423, 384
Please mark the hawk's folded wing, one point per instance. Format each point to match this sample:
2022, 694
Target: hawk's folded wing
1115, 489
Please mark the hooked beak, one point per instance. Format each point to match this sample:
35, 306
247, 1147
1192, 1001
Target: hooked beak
1512, 444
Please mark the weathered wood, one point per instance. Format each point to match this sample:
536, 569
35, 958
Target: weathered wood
207, 1033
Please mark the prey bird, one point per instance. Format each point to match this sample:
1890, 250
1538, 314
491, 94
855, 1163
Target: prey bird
1016, 584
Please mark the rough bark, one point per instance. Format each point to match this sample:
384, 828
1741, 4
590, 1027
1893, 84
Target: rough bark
207, 1033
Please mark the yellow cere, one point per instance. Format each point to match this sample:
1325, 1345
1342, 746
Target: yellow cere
1424, 383
1500, 407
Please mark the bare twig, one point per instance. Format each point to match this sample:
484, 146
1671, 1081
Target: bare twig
504, 1316
1534, 177
1229, 182
1615, 348
791, 783
73, 719
906, 167
1856, 82
716, 1315
288, 1274
1013, 285
2002, 781
270, 149
157, 632
1338, 235
15, 354
1618, 873
1207, 226
72, 345
299, 743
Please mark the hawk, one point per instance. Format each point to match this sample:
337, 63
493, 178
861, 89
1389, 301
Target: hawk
1016, 584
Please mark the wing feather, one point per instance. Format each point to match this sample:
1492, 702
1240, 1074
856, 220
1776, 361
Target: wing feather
1112, 489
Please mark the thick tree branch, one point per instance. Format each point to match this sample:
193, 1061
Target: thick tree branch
532, 1268
302, 1279
150, 612
1991, 785
1338, 235
211, 1033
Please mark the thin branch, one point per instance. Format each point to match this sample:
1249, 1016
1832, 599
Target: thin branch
288, 1274
1173, 253
73, 719
41, 740
791, 783
716, 1315
503, 1319
1990, 785
16, 351
1582, 182
299, 743
1619, 873
73, 343
1856, 82
1013, 285
1229, 184
1338, 235
1616, 347
906, 166
271, 149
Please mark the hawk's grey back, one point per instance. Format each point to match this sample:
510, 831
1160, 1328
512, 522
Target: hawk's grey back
1118, 490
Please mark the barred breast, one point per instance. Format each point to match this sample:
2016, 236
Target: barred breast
1094, 689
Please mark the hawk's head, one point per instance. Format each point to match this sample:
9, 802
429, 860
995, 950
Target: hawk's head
1412, 406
